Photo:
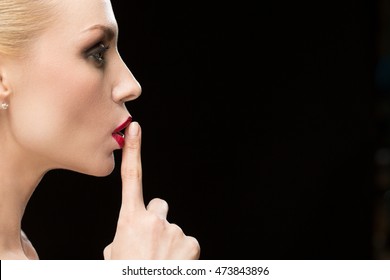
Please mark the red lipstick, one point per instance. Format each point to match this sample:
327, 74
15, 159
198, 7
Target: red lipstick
118, 135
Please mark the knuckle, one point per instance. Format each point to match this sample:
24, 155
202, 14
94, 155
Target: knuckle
127, 220
156, 223
193, 242
107, 251
175, 230
194, 246
131, 173
160, 203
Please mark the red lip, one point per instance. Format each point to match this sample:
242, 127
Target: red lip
118, 136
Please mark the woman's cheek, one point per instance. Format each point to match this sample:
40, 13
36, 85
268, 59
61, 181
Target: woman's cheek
35, 123
48, 116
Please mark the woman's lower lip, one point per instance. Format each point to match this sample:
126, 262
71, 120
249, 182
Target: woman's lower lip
119, 139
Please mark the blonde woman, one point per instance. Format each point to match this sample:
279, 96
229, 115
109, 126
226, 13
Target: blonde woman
63, 86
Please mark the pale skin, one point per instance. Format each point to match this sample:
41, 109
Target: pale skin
63, 107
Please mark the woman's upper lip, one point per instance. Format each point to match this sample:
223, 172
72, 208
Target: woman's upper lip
123, 125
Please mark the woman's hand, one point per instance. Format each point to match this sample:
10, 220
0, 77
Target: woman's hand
144, 232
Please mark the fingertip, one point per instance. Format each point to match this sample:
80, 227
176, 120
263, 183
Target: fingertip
132, 139
134, 129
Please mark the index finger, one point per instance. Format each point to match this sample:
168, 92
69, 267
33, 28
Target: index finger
131, 170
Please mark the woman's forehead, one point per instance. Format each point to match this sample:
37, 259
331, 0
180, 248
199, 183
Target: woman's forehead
82, 15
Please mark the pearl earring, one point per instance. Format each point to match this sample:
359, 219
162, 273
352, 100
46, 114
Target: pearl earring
4, 106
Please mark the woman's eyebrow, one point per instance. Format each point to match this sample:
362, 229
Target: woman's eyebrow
109, 32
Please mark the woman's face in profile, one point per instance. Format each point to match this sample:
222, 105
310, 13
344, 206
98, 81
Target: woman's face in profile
69, 89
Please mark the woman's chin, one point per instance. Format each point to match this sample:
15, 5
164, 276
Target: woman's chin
101, 169
102, 173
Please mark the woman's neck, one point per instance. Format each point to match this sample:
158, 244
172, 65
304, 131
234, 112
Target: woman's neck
19, 176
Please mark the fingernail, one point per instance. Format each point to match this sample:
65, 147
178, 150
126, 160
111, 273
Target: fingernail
134, 129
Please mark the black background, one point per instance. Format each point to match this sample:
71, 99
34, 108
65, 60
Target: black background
258, 130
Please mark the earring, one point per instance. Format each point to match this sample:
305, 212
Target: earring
4, 106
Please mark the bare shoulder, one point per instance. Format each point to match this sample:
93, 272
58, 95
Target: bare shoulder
28, 248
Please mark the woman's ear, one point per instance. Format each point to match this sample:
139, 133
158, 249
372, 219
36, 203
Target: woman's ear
4, 87
4, 92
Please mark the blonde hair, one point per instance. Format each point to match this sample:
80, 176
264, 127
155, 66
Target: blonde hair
21, 21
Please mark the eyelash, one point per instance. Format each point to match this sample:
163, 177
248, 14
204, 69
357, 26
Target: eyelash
97, 54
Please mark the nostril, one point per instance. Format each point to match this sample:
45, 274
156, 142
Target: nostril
126, 89
133, 92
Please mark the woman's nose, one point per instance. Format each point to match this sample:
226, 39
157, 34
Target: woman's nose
126, 87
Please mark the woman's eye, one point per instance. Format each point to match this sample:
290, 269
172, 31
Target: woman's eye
97, 54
